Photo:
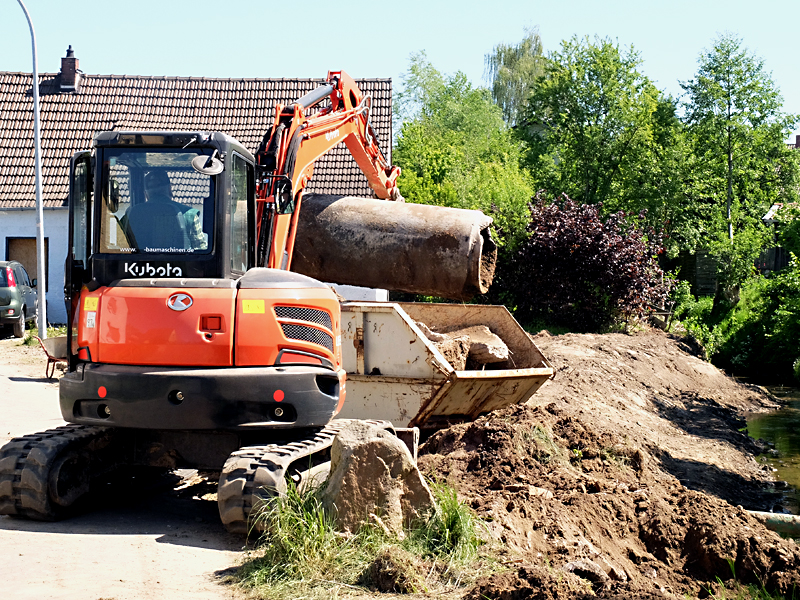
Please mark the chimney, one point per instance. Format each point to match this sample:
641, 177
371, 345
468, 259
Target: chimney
70, 75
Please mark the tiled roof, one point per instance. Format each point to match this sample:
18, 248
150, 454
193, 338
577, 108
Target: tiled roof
242, 108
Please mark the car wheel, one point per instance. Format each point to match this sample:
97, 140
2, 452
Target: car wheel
19, 326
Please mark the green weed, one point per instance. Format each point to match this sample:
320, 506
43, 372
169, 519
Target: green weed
737, 591
301, 553
538, 442
33, 333
450, 532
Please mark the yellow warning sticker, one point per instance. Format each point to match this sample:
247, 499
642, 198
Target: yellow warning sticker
253, 306
90, 303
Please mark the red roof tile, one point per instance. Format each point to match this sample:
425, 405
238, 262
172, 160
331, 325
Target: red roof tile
242, 108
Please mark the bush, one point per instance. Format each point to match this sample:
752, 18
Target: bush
757, 336
577, 270
788, 218
695, 316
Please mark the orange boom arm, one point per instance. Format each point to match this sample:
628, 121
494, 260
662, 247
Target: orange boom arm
287, 154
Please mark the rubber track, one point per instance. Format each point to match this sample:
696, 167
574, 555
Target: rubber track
252, 474
25, 464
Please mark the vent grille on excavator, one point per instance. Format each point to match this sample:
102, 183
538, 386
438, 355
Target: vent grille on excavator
307, 334
320, 317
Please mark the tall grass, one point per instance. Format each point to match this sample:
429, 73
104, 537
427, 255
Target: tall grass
301, 553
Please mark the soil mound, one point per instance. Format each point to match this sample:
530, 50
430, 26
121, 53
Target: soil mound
622, 478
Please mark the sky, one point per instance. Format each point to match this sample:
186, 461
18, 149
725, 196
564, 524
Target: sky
264, 39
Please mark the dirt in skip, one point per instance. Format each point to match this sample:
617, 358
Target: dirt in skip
626, 476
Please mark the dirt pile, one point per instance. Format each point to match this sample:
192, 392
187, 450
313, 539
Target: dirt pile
621, 478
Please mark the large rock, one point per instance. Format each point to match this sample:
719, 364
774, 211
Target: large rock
485, 347
374, 478
459, 343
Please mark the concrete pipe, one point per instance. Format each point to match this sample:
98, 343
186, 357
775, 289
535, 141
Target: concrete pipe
416, 248
778, 522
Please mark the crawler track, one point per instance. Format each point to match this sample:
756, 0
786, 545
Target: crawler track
44, 475
253, 474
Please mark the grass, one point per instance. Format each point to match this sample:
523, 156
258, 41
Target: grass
749, 592
537, 442
301, 553
738, 591
32, 333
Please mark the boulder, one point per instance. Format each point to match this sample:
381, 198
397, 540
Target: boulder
485, 347
482, 346
374, 478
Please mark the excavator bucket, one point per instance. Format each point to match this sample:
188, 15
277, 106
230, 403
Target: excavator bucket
396, 373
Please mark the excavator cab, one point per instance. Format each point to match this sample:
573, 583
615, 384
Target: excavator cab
140, 209
171, 324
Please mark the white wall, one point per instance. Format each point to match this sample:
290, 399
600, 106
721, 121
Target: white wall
22, 223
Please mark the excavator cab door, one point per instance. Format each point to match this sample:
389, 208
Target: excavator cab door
77, 269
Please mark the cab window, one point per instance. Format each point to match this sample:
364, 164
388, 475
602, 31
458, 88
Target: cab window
241, 191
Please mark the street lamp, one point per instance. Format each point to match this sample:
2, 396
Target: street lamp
41, 317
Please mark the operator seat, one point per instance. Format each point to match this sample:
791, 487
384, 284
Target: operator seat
158, 225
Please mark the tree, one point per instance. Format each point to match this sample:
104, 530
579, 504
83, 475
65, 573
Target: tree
454, 149
742, 164
599, 131
513, 70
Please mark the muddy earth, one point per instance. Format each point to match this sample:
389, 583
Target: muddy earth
627, 476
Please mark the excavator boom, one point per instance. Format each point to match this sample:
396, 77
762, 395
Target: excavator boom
289, 150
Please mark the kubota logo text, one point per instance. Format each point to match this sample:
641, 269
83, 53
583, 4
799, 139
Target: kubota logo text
332, 135
148, 270
179, 301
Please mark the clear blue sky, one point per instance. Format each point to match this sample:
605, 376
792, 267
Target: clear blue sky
306, 39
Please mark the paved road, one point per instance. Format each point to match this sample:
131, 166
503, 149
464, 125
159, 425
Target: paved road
139, 544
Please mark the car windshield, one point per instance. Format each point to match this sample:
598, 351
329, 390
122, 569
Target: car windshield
3, 278
153, 201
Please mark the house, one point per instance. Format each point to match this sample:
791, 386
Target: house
74, 106
776, 257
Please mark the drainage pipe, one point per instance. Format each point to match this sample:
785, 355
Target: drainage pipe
778, 522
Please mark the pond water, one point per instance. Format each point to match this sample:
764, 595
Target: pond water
781, 429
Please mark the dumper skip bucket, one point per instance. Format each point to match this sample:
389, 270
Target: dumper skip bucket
395, 373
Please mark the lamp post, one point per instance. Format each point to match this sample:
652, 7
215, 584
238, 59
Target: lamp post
37, 158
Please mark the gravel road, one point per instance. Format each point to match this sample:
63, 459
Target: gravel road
153, 543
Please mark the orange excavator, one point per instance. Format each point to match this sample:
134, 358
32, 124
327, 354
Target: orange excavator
191, 344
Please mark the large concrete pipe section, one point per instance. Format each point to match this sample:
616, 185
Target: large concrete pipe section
431, 250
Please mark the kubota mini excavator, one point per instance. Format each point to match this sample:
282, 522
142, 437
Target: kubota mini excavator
191, 344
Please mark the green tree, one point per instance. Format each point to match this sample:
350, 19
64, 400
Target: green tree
454, 149
736, 131
599, 131
513, 70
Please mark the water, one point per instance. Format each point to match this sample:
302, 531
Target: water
782, 428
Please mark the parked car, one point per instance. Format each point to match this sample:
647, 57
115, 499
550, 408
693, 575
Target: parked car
18, 297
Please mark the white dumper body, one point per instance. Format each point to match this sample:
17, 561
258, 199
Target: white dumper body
395, 373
